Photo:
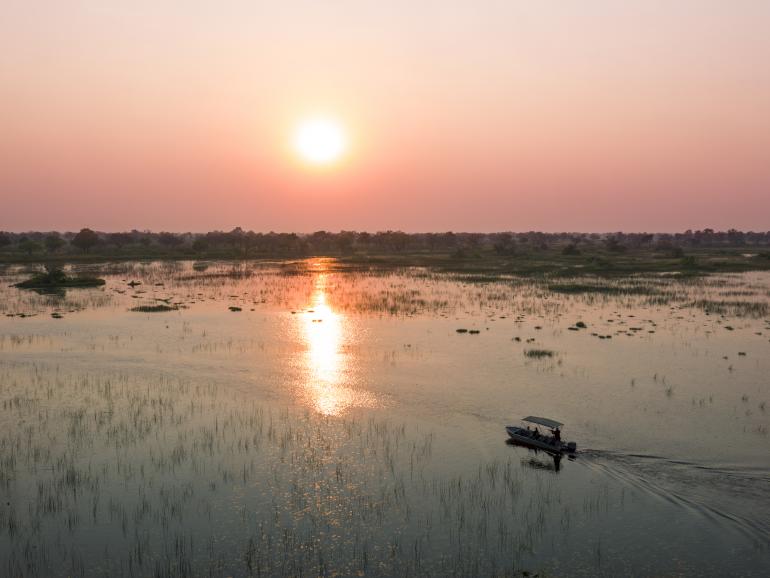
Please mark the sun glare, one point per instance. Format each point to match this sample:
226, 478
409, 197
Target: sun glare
320, 141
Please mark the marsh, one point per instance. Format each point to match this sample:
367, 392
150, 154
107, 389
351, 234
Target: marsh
340, 424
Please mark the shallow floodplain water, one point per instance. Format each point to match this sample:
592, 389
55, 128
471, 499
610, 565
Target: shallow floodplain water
336, 423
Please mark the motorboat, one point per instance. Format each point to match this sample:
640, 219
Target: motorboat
534, 438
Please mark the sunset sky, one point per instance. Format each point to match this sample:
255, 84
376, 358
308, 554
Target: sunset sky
591, 115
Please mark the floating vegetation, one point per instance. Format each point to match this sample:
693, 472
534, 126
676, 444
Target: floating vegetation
616, 288
54, 277
539, 353
159, 308
754, 309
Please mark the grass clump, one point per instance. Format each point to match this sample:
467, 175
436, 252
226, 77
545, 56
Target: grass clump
615, 288
539, 353
160, 308
54, 277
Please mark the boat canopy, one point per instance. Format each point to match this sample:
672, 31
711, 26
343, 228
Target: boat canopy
543, 421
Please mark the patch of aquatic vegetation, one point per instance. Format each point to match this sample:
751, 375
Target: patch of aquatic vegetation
160, 308
233, 271
702, 292
539, 353
39, 300
753, 309
616, 288
406, 291
54, 277
14, 342
113, 474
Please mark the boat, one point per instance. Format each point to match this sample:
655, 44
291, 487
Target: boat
531, 437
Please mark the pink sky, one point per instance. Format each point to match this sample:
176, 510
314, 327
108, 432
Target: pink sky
474, 116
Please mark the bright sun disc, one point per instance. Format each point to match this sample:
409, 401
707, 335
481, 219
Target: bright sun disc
320, 141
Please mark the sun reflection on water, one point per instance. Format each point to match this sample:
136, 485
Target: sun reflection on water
329, 365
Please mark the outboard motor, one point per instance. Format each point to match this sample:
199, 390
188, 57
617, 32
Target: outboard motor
572, 447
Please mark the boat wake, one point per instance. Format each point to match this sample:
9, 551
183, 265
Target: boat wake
739, 496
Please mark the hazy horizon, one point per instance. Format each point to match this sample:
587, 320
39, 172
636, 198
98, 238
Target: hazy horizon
373, 231
494, 116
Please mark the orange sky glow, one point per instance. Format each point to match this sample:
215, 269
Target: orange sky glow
474, 116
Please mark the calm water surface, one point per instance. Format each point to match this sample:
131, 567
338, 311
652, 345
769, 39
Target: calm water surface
303, 419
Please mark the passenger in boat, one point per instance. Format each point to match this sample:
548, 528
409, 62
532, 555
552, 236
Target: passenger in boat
556, 435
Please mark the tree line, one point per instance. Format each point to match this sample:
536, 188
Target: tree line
241, 243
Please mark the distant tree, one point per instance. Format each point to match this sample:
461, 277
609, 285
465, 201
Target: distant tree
200, 245
29, 246
120, 240
53, 242
345, 241
503, 243
5, 240
85, 240
399, 241
448, 240
54, 272
735, 237
170, 240
646, 239
613, 245
320, 242
536, 240
571, 249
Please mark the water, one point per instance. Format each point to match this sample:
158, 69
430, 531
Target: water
338, 424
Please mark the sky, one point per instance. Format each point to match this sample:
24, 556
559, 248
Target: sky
590, 115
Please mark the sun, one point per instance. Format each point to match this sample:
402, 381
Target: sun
320, 141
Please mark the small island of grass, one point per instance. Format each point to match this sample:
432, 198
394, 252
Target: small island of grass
153, 308
55, 278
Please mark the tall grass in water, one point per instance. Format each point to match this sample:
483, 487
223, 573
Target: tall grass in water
121, 475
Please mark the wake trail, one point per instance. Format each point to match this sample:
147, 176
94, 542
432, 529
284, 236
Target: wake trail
741, 497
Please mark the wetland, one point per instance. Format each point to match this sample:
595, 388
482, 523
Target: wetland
324, 417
